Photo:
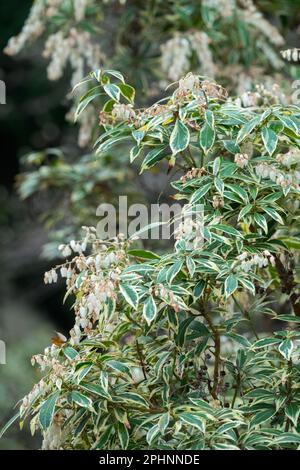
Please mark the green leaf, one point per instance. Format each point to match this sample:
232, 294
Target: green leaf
152, 434
134, 153
264, 342
190, 264
153, 157
202, 404
222, 446
81, 400
108, 106
288, 318
247, 128
199, 288
182, 331
108, 144
289, 123
130, 295
127, 91
193, 420
224, 428
96, 389
47, 409
288, 438
239, 191
286, 348
206, 137
272, 197
163, 422
9, 424
270, 139
261, 221
180, 137
82, 369
244, 211
231, 146
138, 136
149, 310
209, 118
247, 284
141, 268
219, 184
292, 411
231, 284
200, 193
112, 90
227, 229
274, 214
239, 339
116, 74
70, 353
261, 417
259, 393
143, 254
119, 367
146, 229
133, 397
123, 435
216, 165
232, 196
85, 101
104, 436
198, 329
174, 270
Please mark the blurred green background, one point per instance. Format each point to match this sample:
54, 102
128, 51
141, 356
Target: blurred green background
33, 118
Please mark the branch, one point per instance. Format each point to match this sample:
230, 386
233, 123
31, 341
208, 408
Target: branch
139, 352
217, 341
287, 280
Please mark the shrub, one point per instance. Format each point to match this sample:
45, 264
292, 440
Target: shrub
153, 43
165, 351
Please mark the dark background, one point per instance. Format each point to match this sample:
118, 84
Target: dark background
33, 118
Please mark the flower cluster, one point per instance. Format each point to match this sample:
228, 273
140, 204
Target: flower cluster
38, 390
169, 297
289, 158
225, 8
254, 17
265, 94
201, 90
123, 112
241, 159
177, 53
218, 201
282, 178
192, 174
201, 46
53, 437
72, 46
77, 48
190, 228
79, 9
95, 274
175, 57
33, 28
248, 261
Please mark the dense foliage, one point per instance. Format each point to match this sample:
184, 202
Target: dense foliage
153, 43
165, 351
